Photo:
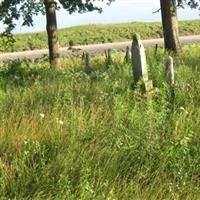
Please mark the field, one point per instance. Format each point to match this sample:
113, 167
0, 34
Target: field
65, 136
90, 34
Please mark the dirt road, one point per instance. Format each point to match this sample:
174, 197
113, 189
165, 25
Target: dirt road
92, 49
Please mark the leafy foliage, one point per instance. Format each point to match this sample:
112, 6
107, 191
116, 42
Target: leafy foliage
191, 3
81, 6
11, 10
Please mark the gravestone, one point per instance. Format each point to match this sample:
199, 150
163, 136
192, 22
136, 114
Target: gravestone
169, 70
108, 57
127, 55
156, 50
88, 69
139, 64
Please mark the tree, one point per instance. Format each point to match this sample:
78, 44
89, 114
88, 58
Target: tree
170, 22
11, 10
170, 25
53, 44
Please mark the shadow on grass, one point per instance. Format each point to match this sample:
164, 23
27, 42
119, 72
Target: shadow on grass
24, 74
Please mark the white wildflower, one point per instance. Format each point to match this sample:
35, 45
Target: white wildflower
42, 115
182, 108
60, 122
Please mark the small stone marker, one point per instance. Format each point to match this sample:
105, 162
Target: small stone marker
108, 57
139, 64
156, 50
127, 55
169, 75
169, 70
88, 69
148, 85
36, 60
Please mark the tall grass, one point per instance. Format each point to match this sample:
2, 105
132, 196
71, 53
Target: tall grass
65, 136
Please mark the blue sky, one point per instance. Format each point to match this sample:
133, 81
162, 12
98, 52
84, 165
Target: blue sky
119, 11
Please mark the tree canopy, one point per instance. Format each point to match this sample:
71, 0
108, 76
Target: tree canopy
191, 3
12, 10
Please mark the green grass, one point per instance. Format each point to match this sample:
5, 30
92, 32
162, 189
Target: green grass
114, 142
89, 34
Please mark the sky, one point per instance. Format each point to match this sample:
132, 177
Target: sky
119, 11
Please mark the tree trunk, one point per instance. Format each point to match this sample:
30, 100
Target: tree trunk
53, 44
170, 25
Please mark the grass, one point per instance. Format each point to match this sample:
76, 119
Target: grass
89, 34
65, 136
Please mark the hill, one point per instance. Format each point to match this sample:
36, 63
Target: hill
90, 34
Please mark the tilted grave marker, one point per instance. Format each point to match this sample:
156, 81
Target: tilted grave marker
127, 55
109, 60
88, 69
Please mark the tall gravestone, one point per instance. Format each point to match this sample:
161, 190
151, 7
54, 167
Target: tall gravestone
139, 64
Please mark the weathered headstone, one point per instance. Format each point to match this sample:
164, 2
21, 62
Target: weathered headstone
139, 64
88, 69
169, 70
36, 60
169, 76
156, 50
127, 55
109, 60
